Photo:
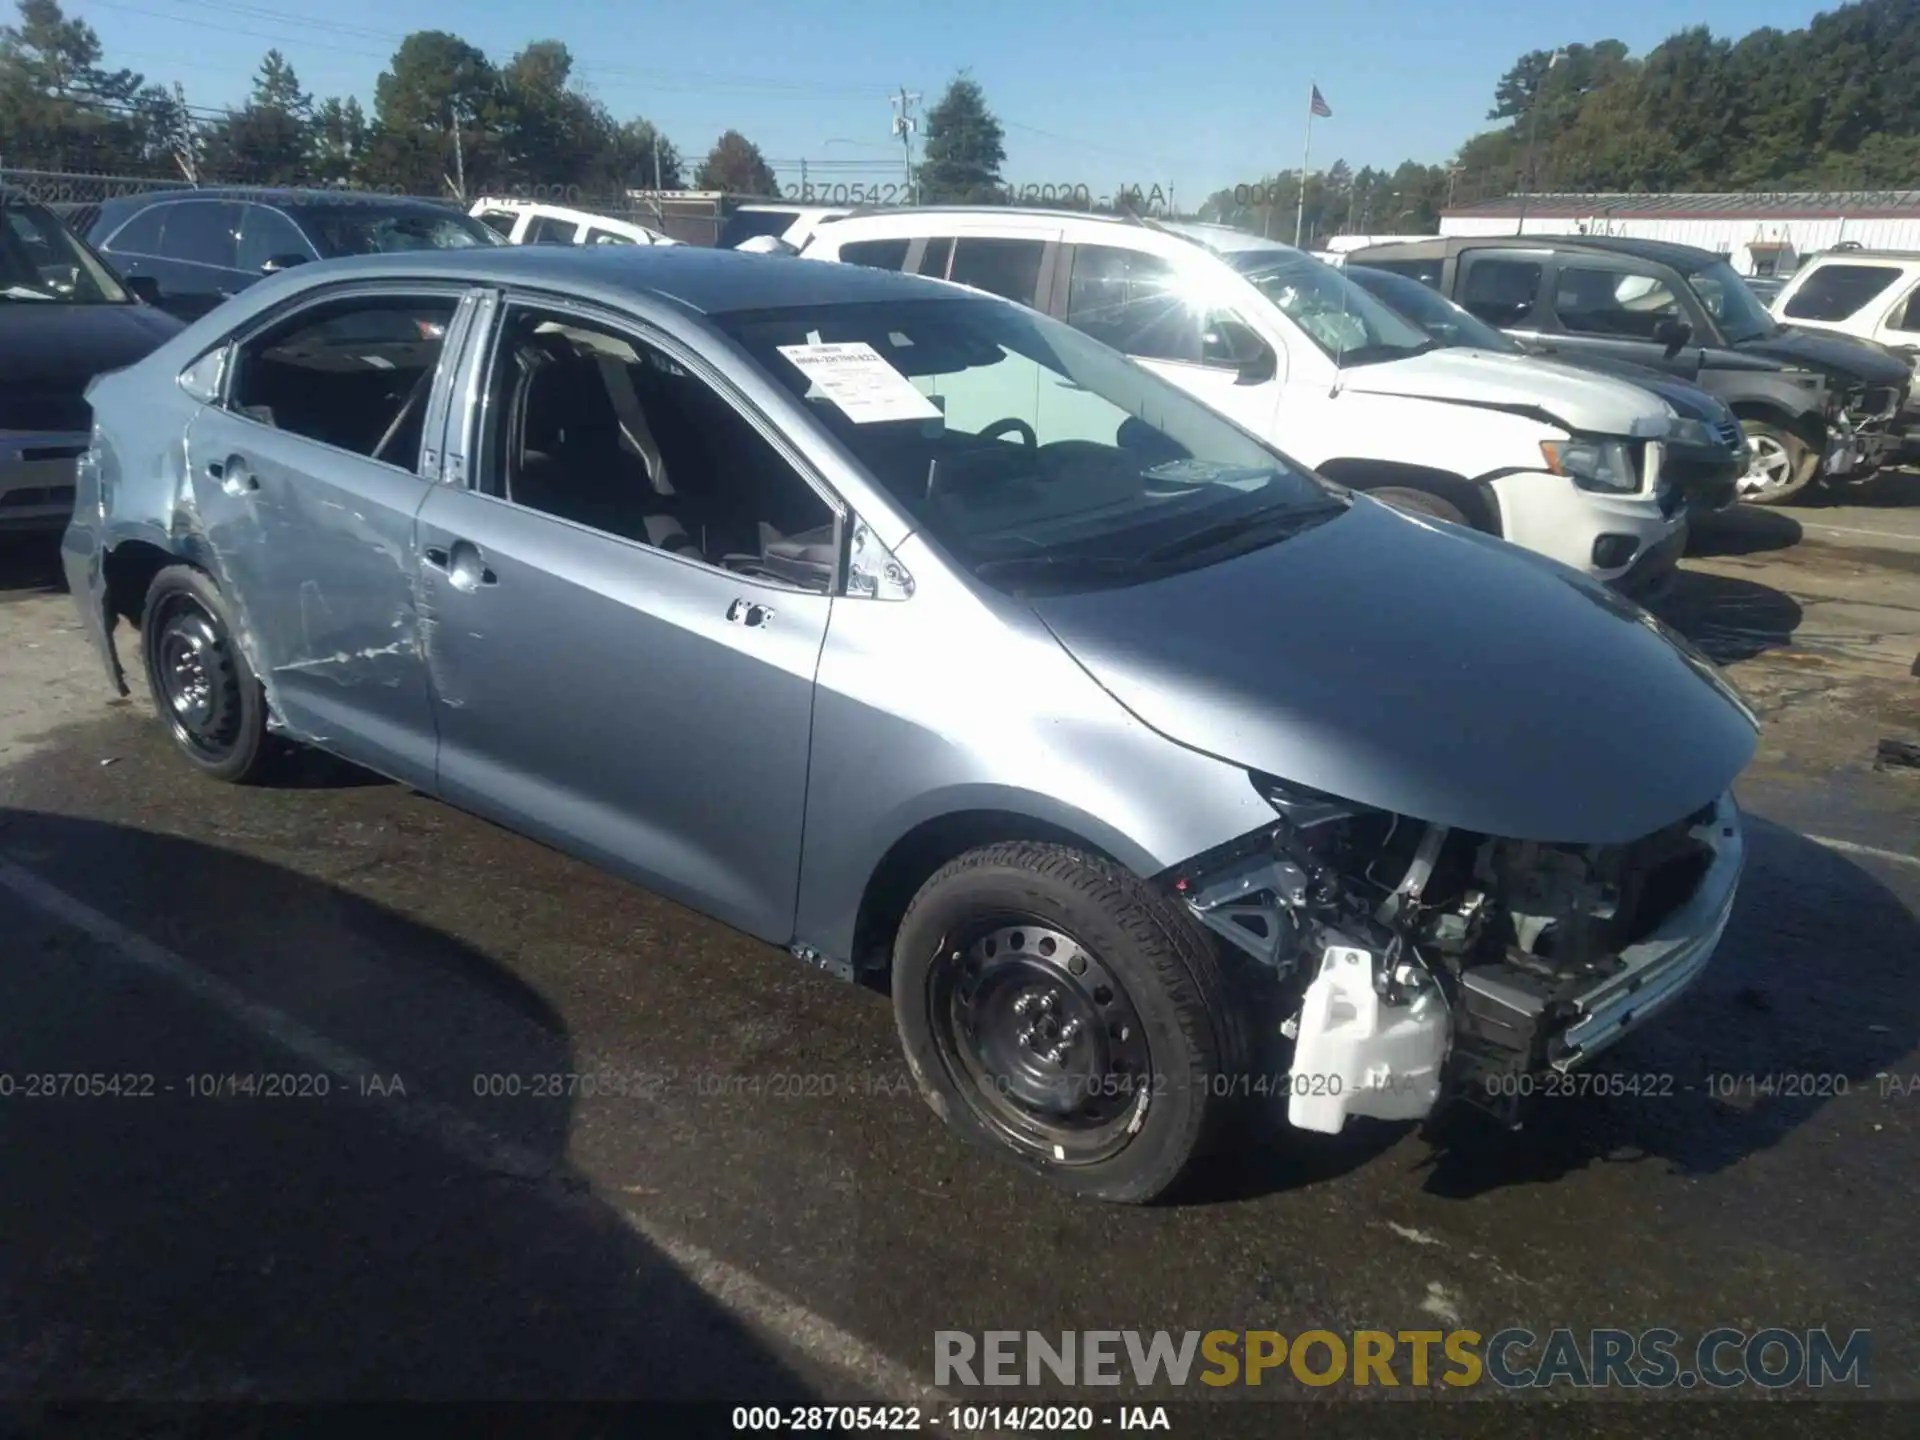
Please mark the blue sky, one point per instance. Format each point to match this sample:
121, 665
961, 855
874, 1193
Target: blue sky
1096, 92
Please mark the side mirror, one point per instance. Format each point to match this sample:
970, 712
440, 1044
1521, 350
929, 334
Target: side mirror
276, 263
143, 288
1233, 345
1673, 334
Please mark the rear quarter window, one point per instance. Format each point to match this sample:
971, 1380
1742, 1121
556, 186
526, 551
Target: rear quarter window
1838, 292
880, 254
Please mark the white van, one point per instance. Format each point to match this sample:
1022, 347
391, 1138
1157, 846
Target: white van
534, 222
1561, 461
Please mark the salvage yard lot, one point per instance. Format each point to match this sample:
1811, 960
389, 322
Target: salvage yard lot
754, 1204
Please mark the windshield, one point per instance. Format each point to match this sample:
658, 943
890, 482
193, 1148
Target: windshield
1022, 446
40, 260
357, 229
1336, 314
1426, 307
1735, 308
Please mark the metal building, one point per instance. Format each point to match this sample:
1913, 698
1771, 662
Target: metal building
1759, 233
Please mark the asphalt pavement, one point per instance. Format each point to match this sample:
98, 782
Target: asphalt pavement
393, 1103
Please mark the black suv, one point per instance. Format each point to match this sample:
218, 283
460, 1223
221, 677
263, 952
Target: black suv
1706, 451
201, 246
1811, 404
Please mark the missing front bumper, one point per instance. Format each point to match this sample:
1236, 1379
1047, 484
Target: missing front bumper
1390, 1044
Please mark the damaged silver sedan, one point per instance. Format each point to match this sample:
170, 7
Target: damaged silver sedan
924, 637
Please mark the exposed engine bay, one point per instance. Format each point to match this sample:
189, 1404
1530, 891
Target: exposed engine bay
1413, 964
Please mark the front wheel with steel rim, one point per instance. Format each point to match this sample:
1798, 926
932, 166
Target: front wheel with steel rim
202, 686
1056, 1009
1782, 464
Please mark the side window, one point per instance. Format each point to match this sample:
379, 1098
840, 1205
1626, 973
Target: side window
1427, 272
1614, 303
880, 254
1907, 317
1132, 302
609, 237
266, 234
937, 257
501, 222
202, 231
591, 425
1833, 292
355, 374
549, 230
1007, 268
1501, 292
142, 234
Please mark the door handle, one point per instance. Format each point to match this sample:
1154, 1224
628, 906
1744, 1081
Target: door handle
465, 567
234, 476
745, 612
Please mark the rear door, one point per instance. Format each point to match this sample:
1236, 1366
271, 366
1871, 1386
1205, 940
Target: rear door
199, 248
307, 477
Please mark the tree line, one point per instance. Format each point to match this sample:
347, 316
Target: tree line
1834, 105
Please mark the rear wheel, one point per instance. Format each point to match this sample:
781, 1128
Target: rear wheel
1782, 466
1421, 502
202, 686
1056, 1009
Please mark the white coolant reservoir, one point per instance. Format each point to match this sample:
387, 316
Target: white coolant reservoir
1357, 1055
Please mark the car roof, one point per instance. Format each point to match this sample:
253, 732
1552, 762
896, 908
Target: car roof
1841, 257
1661, 252
713, 282
285, 196
1221, 239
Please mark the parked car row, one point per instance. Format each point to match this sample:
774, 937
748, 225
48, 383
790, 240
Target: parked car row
1571, 464
925, 635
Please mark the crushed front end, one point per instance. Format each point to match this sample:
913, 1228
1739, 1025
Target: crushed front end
1410, 965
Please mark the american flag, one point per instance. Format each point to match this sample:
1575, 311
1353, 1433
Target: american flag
1318, 105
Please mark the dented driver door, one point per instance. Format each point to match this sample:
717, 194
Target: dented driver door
307, 479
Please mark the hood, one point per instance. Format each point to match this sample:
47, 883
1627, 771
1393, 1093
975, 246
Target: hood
1423, 669
1686, 397
1841, 356
1572, 399
53, 346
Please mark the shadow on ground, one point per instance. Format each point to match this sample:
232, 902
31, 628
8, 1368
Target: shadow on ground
1731, 620
304, 1236
1742, 530
30, 564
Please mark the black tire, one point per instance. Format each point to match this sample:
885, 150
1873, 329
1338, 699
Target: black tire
1783, 464
1421, 502
204, 690
1139, 1092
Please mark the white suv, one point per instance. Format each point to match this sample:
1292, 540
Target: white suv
533, 222
1868, 294
1558, 460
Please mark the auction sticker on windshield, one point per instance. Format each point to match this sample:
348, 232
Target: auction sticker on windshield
857, 378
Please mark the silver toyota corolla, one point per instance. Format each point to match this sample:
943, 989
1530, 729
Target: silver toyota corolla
912, 631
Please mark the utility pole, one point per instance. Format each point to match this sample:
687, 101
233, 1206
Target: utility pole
805, 193
1533, 134
183, 138
459, 154
904, 124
